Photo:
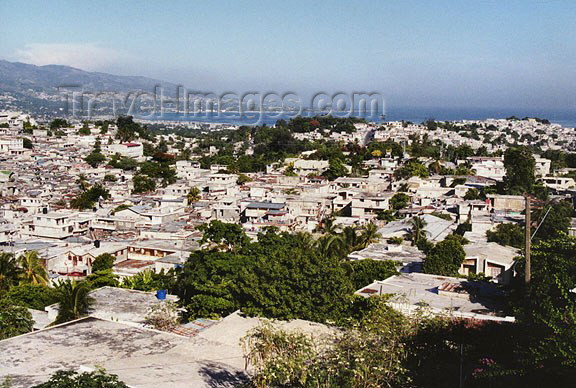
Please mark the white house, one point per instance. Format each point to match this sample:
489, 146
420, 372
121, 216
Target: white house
11, 145
130, 150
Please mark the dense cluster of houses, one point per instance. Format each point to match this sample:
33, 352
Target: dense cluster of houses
158, 230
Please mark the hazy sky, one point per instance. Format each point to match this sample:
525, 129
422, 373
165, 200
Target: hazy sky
451, 53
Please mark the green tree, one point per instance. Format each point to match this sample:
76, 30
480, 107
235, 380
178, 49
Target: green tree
400, 201
10, 271
364, 272
31, 296
128, 130
94, 159
194, 195
311, 286
386, 215
85, 130
14, 320
445, 258
549, 311
33, 270
328, 226
224, 235
149, 280
279, 358
370, 355
27, 143
472, 194
507, 234
279, 276
417, 231
411, 168
73, 299
123, 162
143, 184
88, 198
162, 147
520, 170
71, 379
104, 127
368, 235
103, 262
157, 170
103, 278
58, 123
557, 220
349, 239
242, 178
336, 169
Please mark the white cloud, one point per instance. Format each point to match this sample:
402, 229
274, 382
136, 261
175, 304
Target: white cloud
89, 56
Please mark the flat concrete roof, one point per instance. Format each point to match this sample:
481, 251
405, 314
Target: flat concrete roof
141, 357
383, 251
477, 300
124, 305
492, 251
436, 228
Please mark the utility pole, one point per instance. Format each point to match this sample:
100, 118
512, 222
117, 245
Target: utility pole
528, 237
461, 379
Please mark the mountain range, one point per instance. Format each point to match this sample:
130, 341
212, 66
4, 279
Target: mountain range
38, 89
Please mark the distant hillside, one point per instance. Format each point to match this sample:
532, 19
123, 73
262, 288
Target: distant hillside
15, 76
35, 88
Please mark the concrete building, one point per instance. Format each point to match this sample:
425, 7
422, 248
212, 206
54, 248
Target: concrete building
130, 150
491, 259
307, 167
440, 295
558, 183
11, 145
202, 353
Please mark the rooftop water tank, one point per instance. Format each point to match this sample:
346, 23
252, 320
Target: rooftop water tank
161, 294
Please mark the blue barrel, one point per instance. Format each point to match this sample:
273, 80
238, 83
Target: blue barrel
161, 294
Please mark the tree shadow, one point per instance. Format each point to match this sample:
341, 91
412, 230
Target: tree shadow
222, 375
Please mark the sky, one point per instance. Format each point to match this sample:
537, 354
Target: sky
442, 53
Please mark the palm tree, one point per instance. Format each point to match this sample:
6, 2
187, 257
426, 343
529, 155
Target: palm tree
417, 230
143, 280
327, 226
194, 195
331, 245
351, 239
369, 234
9, 270
74, 300
33, 271
306, 240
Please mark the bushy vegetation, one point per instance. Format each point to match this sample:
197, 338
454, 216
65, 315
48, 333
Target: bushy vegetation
445, 258
90, 197
507, 234
388, 349
71, 379
281, 275
14, 319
